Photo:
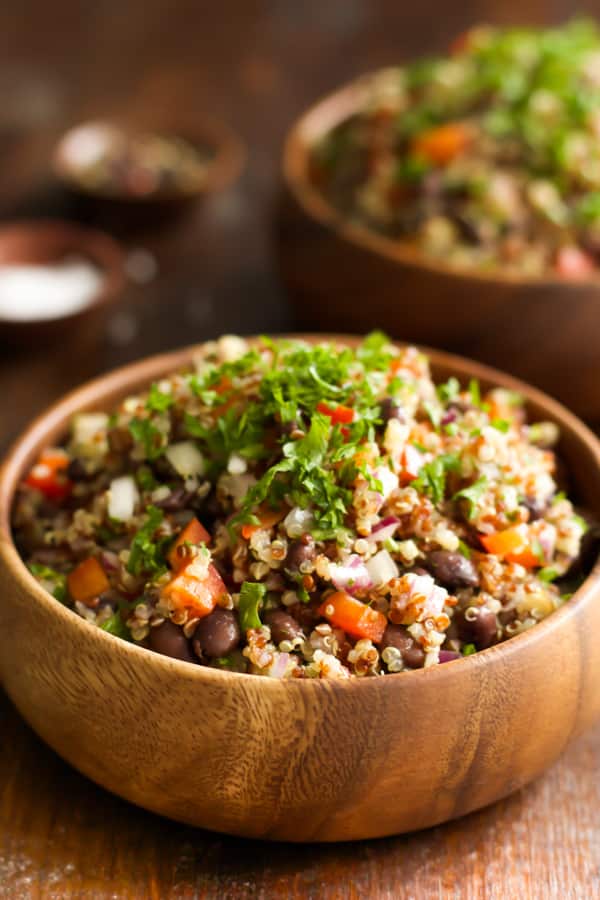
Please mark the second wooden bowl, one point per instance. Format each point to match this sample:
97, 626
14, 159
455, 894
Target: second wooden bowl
297, 760
344, 276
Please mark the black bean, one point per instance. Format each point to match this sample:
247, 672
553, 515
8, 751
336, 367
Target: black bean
389, 409
283, 626
413, 656
536, 507
217, 634
302, 550
76, 470
177, 499
452, 570
590, 548
480, 628
170, 640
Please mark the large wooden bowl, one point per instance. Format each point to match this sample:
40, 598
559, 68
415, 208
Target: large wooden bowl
297, 760
344, 276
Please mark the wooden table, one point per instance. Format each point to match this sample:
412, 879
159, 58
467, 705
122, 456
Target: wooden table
255, 64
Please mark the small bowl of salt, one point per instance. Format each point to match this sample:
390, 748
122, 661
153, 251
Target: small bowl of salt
54, 277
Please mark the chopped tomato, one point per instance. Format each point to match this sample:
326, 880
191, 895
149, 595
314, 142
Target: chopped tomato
49, 475
411, 461
353, 616
516, 545
571, 262
193, 533
339, 415
442, 144
87, 581
195, 588
267, 518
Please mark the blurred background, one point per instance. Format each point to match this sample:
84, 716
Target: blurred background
255, 65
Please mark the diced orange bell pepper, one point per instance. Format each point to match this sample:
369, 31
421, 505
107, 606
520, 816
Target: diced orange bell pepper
197, 593
353, 616
442, 144
339, 415
267, 518
514, 545
411, 462
87, 581
49, 475
193, 533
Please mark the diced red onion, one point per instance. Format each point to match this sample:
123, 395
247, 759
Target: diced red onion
547, 539
382, 568
448, 656
387, 479
448, 417
384, 529
279, 666
109, 560
351, 575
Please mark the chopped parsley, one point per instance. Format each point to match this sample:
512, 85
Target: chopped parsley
115, 625
55, 581
473, 495
146, 555
432, 477
469, 650
148, 435
158, 401
252, 595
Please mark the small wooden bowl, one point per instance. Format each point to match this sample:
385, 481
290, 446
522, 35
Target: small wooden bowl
227, 159
341, 275
297, 760
47, 241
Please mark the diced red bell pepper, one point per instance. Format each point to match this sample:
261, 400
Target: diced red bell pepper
197, 593
87, 581
339, 415
48, 475
353, 616
193, 533
411, 461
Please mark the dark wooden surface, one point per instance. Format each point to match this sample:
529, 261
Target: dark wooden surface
255, 64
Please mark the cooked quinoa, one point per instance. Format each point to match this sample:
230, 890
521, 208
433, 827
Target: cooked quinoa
304, 510
487, 157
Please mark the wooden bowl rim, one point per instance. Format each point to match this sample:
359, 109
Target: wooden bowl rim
132, 377
316, 122
225, 166
92, 244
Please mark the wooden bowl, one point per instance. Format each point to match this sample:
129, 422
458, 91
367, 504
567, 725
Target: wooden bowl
344, 276
227, 159
47, 241
297, 760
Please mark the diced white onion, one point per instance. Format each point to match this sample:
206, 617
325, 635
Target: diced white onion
185, 458
87, 425
122, 497
382, 568
351, 575
297, 522
388, 480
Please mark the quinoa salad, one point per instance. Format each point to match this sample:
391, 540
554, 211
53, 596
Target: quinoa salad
486, 158
305, 510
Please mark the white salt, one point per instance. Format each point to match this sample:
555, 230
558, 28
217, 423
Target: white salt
32, 292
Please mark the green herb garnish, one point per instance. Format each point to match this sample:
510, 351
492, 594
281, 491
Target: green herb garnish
146, 555
252, 595
472, 495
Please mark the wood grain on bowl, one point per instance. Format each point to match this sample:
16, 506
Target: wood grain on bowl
298, 760
342, 275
